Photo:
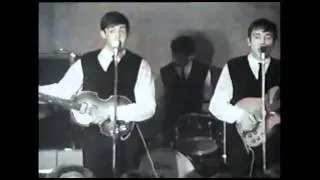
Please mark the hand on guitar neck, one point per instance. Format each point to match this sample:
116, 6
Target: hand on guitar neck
91, 110
88, 108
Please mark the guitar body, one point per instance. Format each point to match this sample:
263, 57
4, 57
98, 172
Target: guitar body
95, 108
101, 106
254, 137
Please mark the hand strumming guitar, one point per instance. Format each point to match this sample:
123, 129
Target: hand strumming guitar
248, 122
99, 118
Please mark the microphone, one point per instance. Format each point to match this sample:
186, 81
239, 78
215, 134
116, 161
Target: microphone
263, 50
116, 47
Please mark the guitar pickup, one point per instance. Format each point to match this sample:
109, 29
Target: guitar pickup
84, 109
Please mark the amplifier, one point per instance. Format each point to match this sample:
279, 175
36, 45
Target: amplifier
52, 158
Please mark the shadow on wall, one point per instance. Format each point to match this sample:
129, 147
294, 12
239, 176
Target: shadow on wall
212, 49
205, 49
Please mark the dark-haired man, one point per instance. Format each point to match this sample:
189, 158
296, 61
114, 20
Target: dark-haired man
186, 84
240, 79
94, 71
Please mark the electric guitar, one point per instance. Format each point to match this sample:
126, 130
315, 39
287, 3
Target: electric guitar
254, 137
87, 107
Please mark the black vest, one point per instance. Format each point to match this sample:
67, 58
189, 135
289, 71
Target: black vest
244, 82
183, 96
97, 80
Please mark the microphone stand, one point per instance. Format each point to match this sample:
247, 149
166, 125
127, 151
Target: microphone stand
115, 128
263, 109
224, 155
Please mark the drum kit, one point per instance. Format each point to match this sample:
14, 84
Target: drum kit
195, 149
198, 148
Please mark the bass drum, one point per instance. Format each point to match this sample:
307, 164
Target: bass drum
197, 134
168, 163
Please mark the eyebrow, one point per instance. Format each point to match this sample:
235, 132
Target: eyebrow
258, 34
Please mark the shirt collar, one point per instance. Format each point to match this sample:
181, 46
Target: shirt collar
105, 57
254, 61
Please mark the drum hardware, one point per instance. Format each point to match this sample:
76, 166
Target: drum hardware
224, 142
197, 138
176, 132
169, 163
194, 134
210, 130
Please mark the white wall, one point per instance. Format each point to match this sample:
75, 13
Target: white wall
75, 26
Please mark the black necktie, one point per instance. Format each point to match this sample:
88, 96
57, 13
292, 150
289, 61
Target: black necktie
260, 71
183, 74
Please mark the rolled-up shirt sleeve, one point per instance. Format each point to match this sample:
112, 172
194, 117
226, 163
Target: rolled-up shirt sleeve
144, 91
220, 105
68, 86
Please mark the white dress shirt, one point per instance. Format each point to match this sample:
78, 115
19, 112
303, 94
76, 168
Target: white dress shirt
220, 105
144, 90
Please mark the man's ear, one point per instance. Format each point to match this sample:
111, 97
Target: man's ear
103, 34
249, 41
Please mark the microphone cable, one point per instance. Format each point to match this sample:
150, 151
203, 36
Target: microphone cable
147, 151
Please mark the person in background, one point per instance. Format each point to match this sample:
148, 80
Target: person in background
185, 84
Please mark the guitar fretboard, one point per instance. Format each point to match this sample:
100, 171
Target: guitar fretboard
62, 102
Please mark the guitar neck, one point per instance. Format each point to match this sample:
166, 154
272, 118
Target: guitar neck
68, 104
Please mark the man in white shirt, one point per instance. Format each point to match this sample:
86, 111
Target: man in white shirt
185, 84
240, 79
95, 72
